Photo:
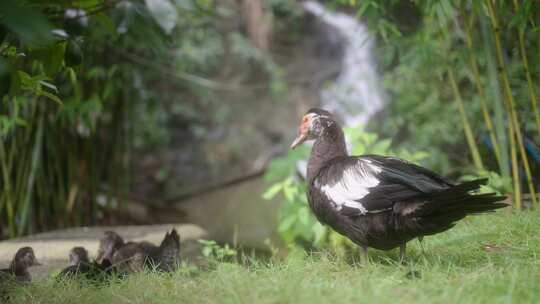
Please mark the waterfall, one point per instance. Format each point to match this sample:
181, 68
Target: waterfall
355, 95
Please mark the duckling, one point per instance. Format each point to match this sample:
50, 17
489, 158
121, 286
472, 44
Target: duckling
108, 245
18, 269
78, 262
167, 256
80, 265
133, 257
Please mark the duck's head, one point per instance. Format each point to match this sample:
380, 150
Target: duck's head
78, 255
108, 245
24, 258
313, 125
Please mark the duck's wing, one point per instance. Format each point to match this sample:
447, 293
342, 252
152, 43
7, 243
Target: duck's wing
372, 184
400, 171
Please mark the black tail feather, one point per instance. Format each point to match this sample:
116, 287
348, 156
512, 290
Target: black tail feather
459, 190
444, 208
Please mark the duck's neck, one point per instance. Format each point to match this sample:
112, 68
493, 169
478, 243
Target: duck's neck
326, 148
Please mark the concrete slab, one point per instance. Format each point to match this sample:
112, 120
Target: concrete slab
52, 248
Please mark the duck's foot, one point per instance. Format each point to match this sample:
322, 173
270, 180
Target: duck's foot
402, 254
413, 274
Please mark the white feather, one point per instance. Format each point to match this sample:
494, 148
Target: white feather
353, 186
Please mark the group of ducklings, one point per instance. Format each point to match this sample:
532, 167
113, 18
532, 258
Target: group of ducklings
114, 256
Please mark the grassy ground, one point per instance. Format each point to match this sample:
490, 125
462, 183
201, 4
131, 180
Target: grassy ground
485, 259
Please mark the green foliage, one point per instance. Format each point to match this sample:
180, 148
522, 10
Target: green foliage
497, 183
85, 84
51, 112
297, 224
214, 252
26, 22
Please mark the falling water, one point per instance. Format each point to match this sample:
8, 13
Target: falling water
355, 95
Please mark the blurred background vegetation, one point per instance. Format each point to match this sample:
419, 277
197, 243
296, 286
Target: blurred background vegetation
109, 101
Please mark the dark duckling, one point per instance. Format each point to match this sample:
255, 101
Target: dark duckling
167, 256
108, 245
78, 262
134, 256
78, 255
131, 257
80, 265
18, 269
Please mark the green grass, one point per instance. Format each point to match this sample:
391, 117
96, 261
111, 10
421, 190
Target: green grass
455, 268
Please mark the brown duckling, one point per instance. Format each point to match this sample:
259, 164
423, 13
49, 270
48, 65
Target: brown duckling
80, 265
18, 269
108, 245
78, 262
133, 256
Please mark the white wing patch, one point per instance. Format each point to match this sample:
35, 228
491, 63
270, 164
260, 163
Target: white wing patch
353, 186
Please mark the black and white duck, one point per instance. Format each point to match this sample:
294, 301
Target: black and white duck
379, 201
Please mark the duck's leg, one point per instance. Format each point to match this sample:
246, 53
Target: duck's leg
420, 241
402, 255
365, 256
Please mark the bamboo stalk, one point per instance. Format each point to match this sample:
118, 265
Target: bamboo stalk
515, 168
466, 126
514, 120
481, 93
34, 166
532, 94
7, 191
498, 105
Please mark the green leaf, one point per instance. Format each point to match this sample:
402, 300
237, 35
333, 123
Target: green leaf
207, 251
272, 191
304, 215
363, 8
290, 192
72, 76
381, 147
56, 57
106, 23
50, 96
319, 232
49, 85
29, 24
286, 223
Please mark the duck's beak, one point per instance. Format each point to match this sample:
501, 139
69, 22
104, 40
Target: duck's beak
299, 140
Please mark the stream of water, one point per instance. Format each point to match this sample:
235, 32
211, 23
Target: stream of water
356, 94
